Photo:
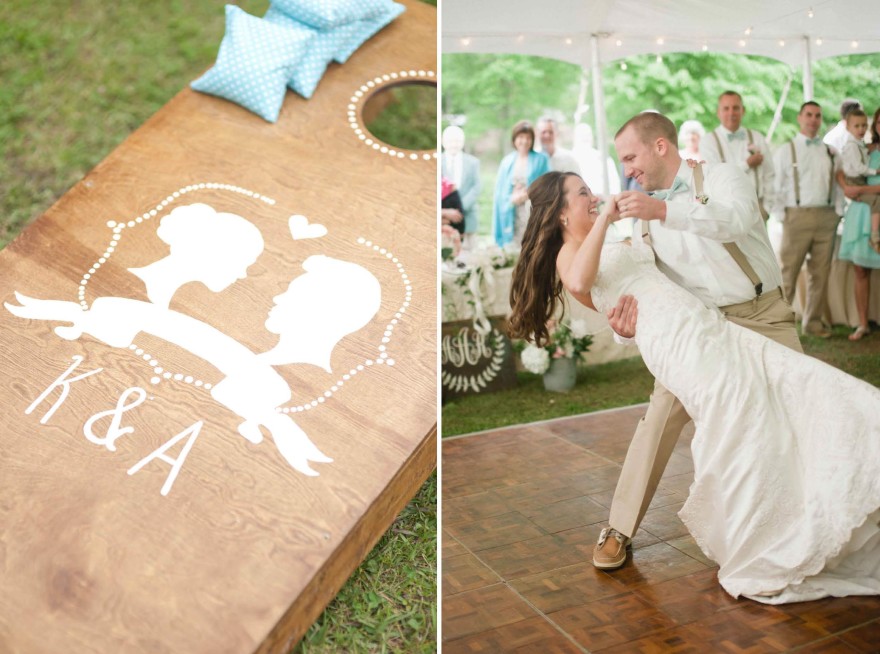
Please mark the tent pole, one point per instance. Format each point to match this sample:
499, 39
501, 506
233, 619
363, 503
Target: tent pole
777, 115
808, 71
599, 105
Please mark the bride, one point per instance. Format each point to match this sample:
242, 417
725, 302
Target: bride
786, 492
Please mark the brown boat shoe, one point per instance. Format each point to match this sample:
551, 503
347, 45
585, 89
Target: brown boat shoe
610, 551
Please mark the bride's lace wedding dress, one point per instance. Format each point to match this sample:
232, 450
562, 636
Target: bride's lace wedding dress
786, 492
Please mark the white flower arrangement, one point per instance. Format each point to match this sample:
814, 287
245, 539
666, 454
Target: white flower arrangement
566, 341
535, 359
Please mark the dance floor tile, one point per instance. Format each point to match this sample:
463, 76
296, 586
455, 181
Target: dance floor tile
836, 614
679, 464
495, 531
531, 495
534, 636
449, 546
654, 564
567, 514
566, 587
689, 546
664, 523
755, 627
469, 508
611, 621
678, 483
864, 639
829, 646
666, 641
689, 598
482, 610
538, 555
465, 572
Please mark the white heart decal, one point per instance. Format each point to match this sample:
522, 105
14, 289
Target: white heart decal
300, 228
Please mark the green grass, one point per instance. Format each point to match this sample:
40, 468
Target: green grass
389, 604
78, 78
624, 383
410, 119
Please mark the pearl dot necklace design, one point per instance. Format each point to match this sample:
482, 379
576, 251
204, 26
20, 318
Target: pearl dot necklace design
383, 357
360, 95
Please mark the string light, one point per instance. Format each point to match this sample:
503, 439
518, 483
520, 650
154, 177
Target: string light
748, 31
810, 12
623, 66
705, 48
660, 40
854, 44
618, 43
465, 41
659, 59
781, 43
742, 43
568, 41
520, 38
818, 41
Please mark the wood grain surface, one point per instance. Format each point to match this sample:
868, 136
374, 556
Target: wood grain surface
243, 552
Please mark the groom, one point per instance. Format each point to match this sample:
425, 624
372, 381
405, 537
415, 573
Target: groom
709, 237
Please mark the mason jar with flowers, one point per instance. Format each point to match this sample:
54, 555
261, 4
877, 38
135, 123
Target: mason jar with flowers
557, 359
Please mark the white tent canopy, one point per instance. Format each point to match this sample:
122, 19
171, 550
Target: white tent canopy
561, 29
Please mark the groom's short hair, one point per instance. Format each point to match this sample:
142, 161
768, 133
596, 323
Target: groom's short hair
650, 125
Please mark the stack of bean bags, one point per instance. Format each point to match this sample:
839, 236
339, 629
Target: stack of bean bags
291, 46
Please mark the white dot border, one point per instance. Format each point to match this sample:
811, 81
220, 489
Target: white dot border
383, 357
355, 108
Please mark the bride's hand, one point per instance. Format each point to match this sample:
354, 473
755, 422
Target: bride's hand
610, 209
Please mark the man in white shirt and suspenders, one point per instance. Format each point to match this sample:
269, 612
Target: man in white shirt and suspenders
807, 190
708, 237
730, 142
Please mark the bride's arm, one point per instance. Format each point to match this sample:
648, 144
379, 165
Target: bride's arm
578, 267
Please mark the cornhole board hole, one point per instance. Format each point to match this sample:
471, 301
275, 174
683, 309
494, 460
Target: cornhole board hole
217, 371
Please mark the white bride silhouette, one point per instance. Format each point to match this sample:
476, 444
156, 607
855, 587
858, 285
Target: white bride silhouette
332, 299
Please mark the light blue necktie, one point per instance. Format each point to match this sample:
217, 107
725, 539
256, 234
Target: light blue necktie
815, 141
736, 136
678, 185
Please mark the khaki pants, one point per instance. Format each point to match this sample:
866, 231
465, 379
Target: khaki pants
658, 432
808, 231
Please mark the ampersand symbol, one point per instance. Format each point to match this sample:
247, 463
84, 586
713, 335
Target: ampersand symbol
114, 431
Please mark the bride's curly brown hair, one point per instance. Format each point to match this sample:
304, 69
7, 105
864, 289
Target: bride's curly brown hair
535, 287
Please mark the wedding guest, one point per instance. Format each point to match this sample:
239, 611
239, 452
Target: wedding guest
730, 142
463, 170
510, 211
836, 136
813, 203
854, 243
590, 160
560, 158
689, 136
856, 169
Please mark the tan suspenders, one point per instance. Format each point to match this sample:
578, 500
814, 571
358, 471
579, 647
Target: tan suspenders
797, 183
732, 248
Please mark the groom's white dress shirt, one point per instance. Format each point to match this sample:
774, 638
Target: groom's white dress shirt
688, 244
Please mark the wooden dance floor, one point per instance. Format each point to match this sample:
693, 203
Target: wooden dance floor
522, 509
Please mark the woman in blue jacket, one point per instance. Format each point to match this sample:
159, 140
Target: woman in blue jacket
517, 171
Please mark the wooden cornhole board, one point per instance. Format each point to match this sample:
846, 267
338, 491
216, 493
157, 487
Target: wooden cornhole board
134, 516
